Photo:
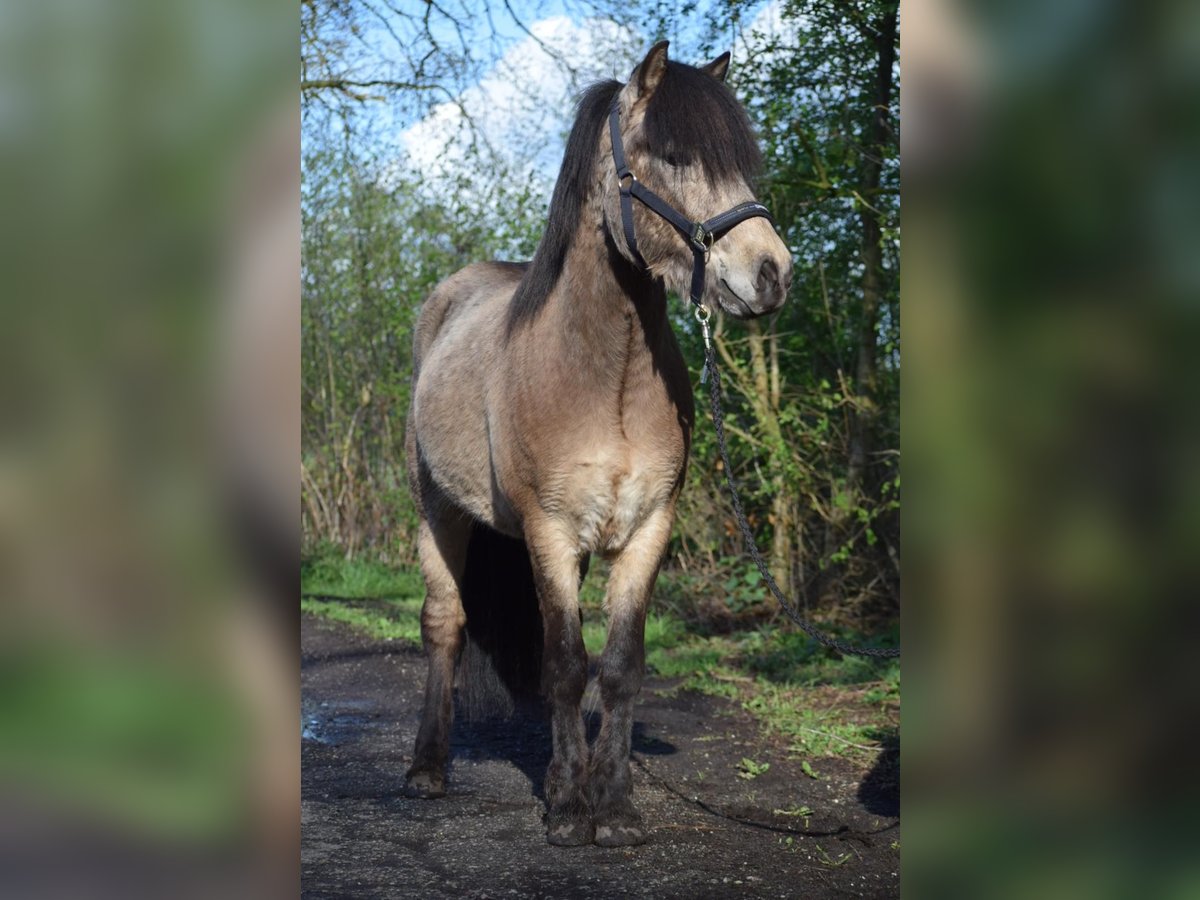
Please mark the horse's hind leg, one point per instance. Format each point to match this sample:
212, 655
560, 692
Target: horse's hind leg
622, 664
443, 548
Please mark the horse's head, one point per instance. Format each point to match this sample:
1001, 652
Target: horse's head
687, 139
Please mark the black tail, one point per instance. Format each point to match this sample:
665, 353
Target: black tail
501, 660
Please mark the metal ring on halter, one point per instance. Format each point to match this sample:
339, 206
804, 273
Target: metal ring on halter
702, 313
702, 239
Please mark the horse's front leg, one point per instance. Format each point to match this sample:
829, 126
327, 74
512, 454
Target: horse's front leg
622, 664
556, 570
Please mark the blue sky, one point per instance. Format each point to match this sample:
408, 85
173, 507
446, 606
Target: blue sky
522, 101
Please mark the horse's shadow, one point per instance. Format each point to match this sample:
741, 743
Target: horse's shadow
524, 740
879, 792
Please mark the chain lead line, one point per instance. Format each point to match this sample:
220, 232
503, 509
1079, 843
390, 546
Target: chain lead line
718, 417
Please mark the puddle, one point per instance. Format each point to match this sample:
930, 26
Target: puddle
337, 722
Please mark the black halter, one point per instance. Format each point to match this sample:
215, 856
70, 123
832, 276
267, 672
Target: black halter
699, 235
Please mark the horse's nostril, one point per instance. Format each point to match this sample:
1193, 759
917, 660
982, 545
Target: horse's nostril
768, 277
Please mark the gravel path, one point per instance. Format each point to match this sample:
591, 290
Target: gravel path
712, 833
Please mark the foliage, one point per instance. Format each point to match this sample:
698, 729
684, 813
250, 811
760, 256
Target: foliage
812, 397
383, 602
328, 575
397, 620
748, 769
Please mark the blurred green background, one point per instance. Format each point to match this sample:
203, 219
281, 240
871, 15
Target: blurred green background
1051, 285
147, 688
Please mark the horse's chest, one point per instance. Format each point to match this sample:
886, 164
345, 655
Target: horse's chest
609, 499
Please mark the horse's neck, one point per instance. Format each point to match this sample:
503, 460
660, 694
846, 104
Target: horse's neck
604, 314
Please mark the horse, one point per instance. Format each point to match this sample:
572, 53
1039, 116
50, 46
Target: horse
551, 420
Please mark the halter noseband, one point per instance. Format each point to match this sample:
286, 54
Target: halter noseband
699, 235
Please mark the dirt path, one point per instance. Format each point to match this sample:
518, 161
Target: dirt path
363, 838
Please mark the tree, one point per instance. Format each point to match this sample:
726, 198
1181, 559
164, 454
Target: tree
815, 392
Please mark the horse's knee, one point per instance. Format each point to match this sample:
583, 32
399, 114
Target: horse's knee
564, 680
622, 666
619, 684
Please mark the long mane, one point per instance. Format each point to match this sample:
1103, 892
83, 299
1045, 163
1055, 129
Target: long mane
566, 204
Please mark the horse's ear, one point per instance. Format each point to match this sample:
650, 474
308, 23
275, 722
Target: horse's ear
650, 73
719, 67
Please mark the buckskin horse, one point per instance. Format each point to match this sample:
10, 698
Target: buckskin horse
551, 419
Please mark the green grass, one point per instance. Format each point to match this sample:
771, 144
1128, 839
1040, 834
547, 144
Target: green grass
399, 621
358, 580
336, 589
821, 703
750, 769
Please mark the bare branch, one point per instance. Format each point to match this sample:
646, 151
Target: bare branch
347, 84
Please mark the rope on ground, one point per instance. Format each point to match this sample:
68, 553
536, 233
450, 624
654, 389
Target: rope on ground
843, 832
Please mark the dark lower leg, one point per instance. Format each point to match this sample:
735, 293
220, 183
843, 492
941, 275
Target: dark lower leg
442, 555
609, 783
427, 774
564, 672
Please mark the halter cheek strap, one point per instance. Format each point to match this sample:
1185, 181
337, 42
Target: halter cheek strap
699, 235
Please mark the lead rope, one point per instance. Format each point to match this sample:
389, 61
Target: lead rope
718, 416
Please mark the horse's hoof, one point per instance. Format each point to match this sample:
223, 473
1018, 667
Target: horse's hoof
570, 832
424, 785
620, 833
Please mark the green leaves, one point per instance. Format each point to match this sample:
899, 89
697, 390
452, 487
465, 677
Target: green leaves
748, 769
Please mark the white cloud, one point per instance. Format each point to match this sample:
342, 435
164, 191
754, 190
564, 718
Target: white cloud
522, 108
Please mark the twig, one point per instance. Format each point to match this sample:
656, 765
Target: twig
832, 736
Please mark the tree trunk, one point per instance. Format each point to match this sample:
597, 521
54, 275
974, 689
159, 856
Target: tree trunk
765, 401
879, 133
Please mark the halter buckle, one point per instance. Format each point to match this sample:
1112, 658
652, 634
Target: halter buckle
702, 239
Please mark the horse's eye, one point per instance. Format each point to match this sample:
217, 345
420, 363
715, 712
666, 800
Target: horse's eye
671, 160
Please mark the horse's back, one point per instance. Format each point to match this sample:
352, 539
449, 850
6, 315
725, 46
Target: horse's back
466, 289
456, 345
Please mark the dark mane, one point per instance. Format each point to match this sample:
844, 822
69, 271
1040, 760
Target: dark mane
574, 179
695, 118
